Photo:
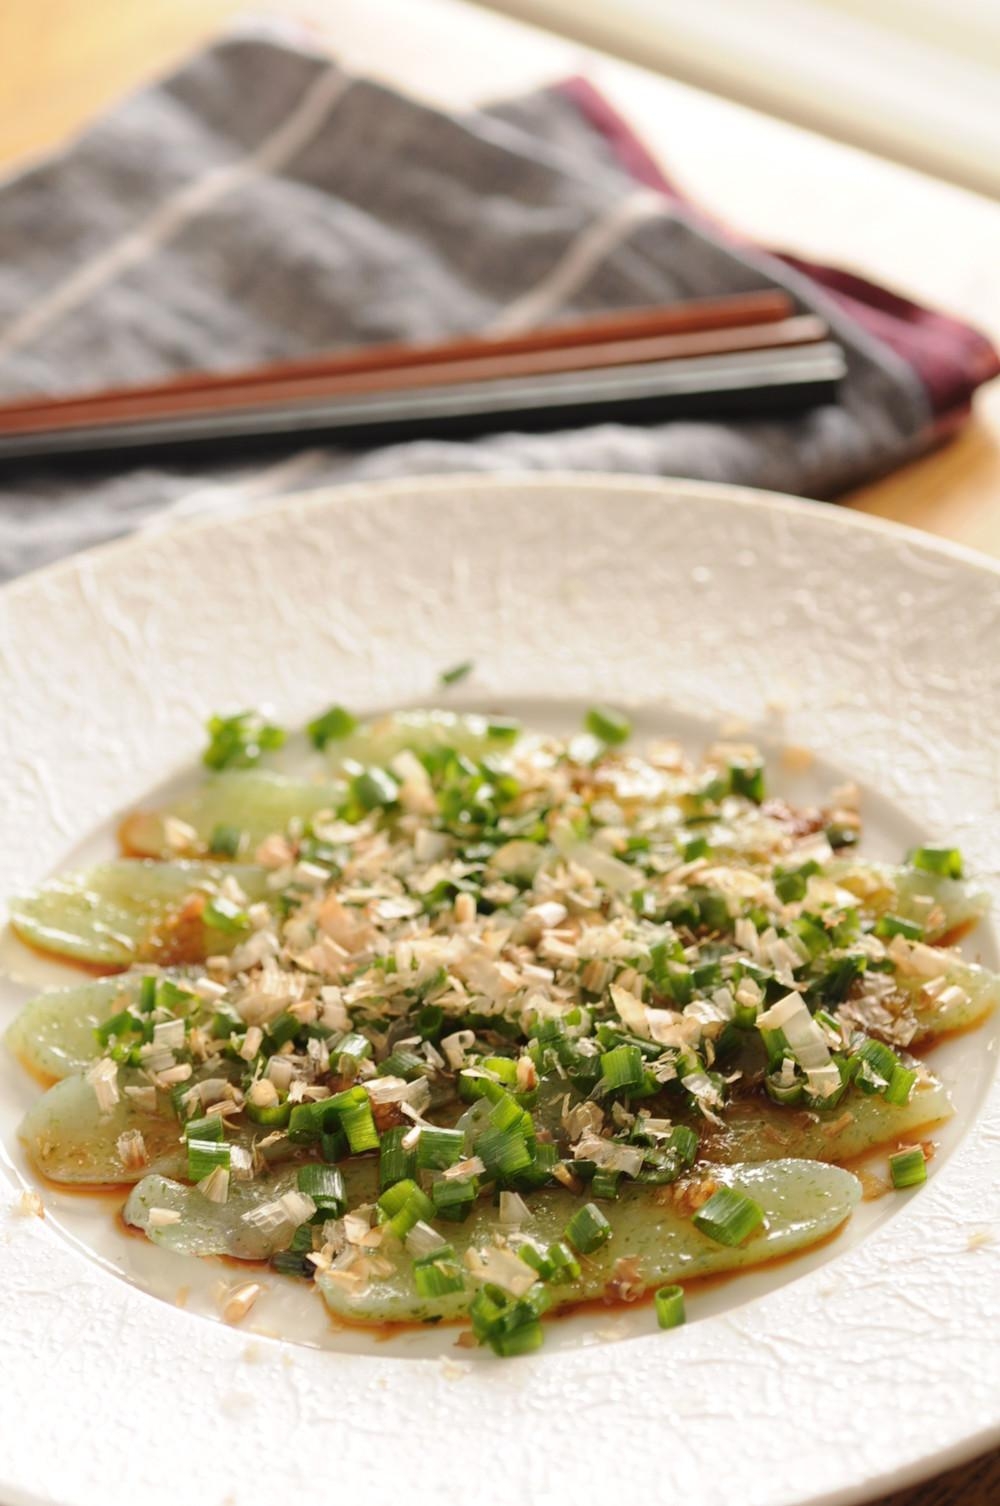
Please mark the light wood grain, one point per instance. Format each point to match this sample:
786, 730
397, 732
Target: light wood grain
61, 61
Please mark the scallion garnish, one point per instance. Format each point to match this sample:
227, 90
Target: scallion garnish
204, 1156
747, 779
453, 1197
608, 725
221, 914
588, 1229
325, 1185
889, 925
946, 862
622, 1069
237, 742
669, 1301
333, 725
394, 1161
226, 841
438, 1149
510, 1325
404, 1204
908, 1168
373, 788
456, 672
729, 1217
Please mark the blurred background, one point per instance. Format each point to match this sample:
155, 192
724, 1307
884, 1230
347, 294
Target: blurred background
863, 135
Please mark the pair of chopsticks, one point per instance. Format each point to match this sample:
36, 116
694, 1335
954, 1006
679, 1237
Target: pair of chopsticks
749, 353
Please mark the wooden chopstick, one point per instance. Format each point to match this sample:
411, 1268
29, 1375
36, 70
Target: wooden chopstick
802, 330
748, 382
703, 315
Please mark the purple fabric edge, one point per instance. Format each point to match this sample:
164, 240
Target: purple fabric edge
951, 358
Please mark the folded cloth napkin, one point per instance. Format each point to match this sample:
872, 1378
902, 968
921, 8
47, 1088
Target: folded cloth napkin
261, 203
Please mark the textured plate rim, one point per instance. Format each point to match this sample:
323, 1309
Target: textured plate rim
305, 504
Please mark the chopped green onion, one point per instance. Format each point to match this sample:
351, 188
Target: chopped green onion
695, 847
503, 729
555, 1263
747, 779
453, 1197
790, 884
226, 841
210, 1127
274, 1115
456, 672
237, 742
147, 994
438, 1275
221, 914
622, 1068
353, 1107
331, 726
325, 1185
908, 1168
504, 1152
373, 788
439, 1148
403, 1063
403, 1205
122, 1023
946, 862
607, 724
605, 1183
901, 1085
729, 1217
669, 1302
878, 1062
897, 925
394, 1163
292, 1263
333, 1145
204, 1156
282, 1029
173, 997
510, 1325
355, 1046
588, 1229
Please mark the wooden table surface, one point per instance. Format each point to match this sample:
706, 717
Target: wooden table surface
61, 61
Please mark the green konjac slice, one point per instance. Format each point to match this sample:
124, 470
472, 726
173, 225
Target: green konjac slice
54, 1034
253, 803
70, 1139
941, 905
207, 1228
114, 914
756, 1131
379, 741
802, 1203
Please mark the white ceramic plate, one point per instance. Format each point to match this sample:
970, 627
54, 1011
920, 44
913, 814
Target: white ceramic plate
865, 1365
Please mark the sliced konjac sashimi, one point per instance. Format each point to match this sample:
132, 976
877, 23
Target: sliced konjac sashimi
254, 803
942, 905
757, 1130
208, 1228
54, 1034
802, 1202
378, 741
70, 1139
130, 910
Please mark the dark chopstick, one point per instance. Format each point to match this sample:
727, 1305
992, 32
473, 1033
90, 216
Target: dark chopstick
748, 383
802, 330
699, 315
